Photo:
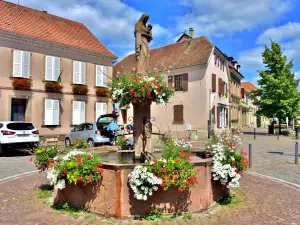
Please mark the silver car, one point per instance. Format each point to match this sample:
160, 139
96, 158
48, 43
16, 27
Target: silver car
88, 132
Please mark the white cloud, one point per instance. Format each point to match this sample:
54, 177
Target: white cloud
251, 60
219, 17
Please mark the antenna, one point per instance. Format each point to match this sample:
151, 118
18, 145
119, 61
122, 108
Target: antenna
189, 15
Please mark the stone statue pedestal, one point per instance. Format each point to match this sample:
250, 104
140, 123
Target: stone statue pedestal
142, 128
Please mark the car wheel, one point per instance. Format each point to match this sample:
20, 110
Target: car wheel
67, 142
91, 143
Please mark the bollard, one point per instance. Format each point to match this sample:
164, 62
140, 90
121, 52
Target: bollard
250, 155
254, 133
296, 153
297, 137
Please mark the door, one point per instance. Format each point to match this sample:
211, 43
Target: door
88, 130
77, 132
18, 109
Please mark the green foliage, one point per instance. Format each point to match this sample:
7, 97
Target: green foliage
229, 199
43, 193
155, 214
187, 216
122, 141
43, 155
278, 95
84, 168
134, 88
80, 144
258, 121
285, 132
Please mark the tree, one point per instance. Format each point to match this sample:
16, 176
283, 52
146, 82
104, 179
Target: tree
278, 95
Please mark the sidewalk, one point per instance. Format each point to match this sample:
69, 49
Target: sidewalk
268, 202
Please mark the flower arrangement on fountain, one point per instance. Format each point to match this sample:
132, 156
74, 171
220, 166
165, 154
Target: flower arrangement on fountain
45, 157
76, 167
228, 164
173, 169
135, 88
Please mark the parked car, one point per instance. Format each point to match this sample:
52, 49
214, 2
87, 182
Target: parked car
89, 132
18, 135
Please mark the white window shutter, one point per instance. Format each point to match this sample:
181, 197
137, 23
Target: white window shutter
104, 108
83, 73
57, 67
49, 68
82, 112
17, 63
48, 120
104, 75
98, 75
55, 112
76, 72
26, 65
76, 113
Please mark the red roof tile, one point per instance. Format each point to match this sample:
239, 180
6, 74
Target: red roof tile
248, 86
176, 55
38, 24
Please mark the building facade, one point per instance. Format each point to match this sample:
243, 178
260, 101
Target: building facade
249, 118
199, 73
38, 47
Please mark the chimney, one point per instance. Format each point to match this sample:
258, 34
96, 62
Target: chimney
230, 59
234, 63
44, 11
238, 67
191, 32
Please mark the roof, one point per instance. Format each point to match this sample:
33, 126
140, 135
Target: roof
176, 55
248, 86
41, 25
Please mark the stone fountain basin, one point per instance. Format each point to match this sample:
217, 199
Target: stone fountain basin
113, 196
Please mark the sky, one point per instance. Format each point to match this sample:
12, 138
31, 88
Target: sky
239, 28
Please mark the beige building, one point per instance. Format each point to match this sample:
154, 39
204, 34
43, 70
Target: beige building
199, 72
249, 109
38, 47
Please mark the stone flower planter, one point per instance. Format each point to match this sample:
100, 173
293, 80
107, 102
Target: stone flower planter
113, 195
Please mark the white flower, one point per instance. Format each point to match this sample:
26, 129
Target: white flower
61, 184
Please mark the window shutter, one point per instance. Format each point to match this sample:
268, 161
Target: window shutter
49, 68
220, 86
185, 81
213, 113
178, 113
82, 112
48, 120
55, 112
17, 63
104, 110
57, 68
170, 81
26, 65
98, 75
218, 116
227, 117
83, 73
243, 92
98, 110
76, 72
76, 112
124, 115
213, 83
104, 76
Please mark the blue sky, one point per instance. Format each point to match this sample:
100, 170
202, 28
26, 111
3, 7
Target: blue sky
239, 28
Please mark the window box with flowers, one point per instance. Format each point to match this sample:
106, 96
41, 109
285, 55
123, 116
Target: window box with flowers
53, 86
21, 83
80, 89
101, 91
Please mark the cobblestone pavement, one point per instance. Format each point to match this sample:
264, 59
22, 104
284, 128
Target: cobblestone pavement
273, 157
267, 202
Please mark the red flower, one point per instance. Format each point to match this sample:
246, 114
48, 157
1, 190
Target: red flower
236, 170
162, 184
155, 75
154, 160
149, 93
79, 163
157, 85
95, 168
89, 177
177, 160
182, 154
158, 92
101, 170
163, 170
138, 80
45, 149
90, 156
141, 89
79, 178
134, 101
233, 163
131, 91
66, 171
180, 189
100, 163
164, 89
133, 85
62, 174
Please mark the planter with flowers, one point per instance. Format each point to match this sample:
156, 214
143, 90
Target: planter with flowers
101, 91
80, 89
53, 86
21, 83
45, 157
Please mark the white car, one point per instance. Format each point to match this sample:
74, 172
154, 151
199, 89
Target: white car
18, 135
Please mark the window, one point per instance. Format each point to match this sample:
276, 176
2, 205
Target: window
101, 74
222, 117
178, 82
20, 126
79, 128
52, 68
79, 72
101, 109
178, 113
21, 64
51, 116
78, 112
213, 83
18, 109
89, 126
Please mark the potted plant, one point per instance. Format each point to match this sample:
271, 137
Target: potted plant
80, 89
53, 86
101, 91
21, 83
45, 157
